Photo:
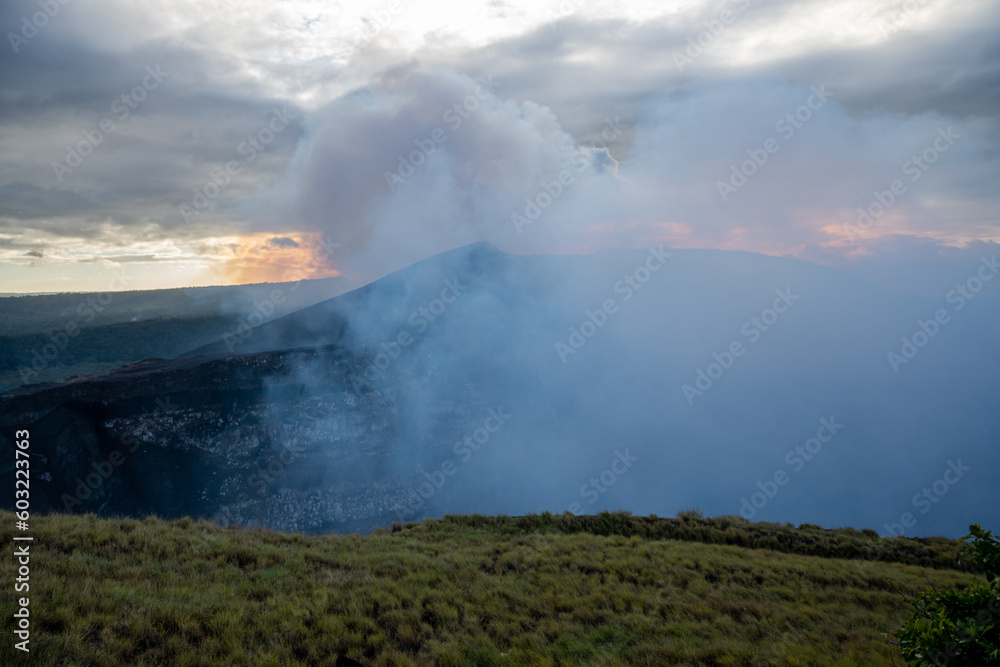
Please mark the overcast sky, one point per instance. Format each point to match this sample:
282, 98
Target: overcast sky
360, 137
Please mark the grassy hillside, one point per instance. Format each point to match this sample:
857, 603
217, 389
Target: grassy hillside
47, 313
605, 590
102, 348
84, 333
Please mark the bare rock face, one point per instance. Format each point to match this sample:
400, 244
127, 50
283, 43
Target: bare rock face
242, 440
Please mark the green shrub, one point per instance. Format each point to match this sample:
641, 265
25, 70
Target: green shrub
959, 627
690, 514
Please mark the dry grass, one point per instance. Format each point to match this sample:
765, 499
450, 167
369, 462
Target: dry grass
460, 591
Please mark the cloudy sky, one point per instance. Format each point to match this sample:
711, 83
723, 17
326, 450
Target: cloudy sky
235, 141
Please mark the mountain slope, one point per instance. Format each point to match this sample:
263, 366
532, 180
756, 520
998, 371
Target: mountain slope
48, 338
478, 381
